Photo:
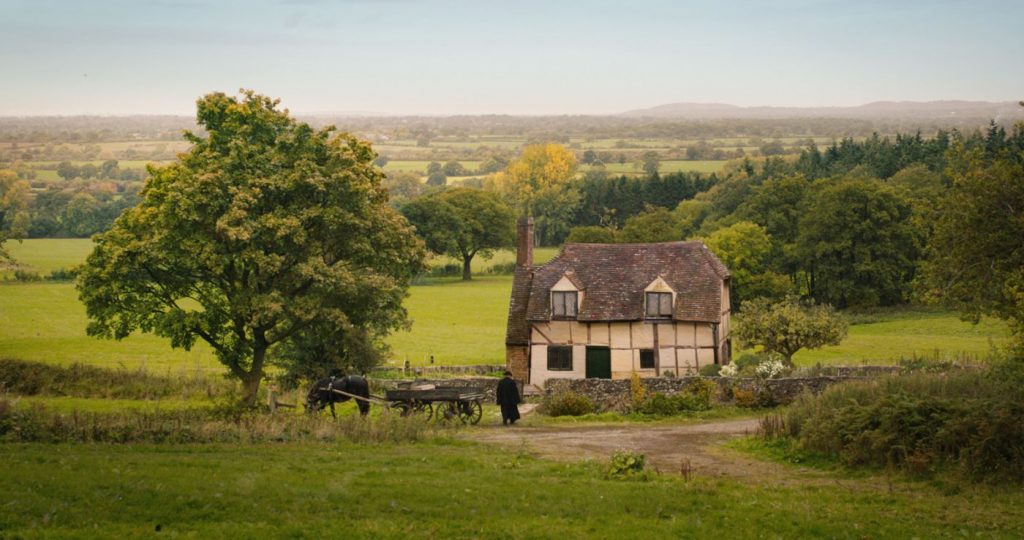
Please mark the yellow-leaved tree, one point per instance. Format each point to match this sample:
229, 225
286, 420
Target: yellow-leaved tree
540, 183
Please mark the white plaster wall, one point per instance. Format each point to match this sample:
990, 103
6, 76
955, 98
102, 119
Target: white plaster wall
667, 357
622, 361
705, 337
560, 331
666, 334
685, 334
643, 336
620, 335
705, 356
599, 334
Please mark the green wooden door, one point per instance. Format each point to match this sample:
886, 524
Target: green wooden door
599, 363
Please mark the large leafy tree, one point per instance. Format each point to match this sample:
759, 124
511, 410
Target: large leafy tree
463, 223
540, 184
13, 209
266, 231
746, 249
976, 254
787, 326
858, 243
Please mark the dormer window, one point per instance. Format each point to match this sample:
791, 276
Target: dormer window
659, 305
563, 304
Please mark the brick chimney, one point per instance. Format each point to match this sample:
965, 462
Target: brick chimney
524, 239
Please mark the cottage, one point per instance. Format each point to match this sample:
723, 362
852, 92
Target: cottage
607, 310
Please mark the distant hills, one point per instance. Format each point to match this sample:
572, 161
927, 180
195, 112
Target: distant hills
999, 111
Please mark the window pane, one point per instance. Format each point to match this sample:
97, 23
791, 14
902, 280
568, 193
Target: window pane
652, 304
560, 358
570, 304
557, 305
666, 304
646, 359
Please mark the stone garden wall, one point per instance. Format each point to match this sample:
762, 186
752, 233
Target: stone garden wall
608, 394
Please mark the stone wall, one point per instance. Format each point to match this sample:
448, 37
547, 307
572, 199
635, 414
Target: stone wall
427, 370
610, 394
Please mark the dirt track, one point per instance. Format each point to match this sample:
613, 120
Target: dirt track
696, 447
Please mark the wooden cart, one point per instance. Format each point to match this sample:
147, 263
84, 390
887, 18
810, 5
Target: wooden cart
444, 404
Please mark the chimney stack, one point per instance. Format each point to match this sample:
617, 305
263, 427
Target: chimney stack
524, 238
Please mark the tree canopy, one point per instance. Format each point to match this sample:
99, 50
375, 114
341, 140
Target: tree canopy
976, 255
266, 232
787, 326
13, 209
539, 184
463, 223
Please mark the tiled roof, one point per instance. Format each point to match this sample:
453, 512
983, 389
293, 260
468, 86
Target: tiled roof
614, 277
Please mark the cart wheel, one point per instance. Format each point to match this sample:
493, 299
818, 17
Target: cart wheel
471, 412
403, 409
426, 409
446, 411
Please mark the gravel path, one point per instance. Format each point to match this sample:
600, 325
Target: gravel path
686, 449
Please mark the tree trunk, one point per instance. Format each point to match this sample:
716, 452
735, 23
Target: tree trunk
251, 380
467, 274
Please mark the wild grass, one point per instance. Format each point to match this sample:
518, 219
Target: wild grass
86, 381
438, 488
37, 423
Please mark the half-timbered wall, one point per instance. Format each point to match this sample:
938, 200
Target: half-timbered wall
680, 348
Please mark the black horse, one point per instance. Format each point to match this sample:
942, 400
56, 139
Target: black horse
322, 393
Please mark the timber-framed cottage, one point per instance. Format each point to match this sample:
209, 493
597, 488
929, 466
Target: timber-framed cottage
608, 310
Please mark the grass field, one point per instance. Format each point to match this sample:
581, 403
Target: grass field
456, 322
446, 489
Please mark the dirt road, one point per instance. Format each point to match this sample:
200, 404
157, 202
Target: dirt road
694, 448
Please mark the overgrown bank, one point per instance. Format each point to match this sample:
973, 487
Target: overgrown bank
970, 422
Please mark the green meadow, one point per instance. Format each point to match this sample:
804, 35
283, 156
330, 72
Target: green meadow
456, 322
445, 488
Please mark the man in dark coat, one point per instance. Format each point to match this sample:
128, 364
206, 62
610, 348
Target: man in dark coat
508, 398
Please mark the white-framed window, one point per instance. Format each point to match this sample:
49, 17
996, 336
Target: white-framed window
563, 304
659, 305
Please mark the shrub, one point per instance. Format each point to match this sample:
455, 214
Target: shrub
447, 270
746, 360
27, 276
567, 403
625, 465
970, 420
637, 392
770, 368
62, 274
695, 397
744, 398
710, 370
502, 269
728, 371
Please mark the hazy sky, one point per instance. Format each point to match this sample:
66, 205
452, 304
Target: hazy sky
518, 57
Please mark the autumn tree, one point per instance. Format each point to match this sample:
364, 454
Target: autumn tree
13, 209
463, 223
265, 232
539, 183
787, 326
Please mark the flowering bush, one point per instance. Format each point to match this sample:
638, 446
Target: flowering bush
728, 371
770, 368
